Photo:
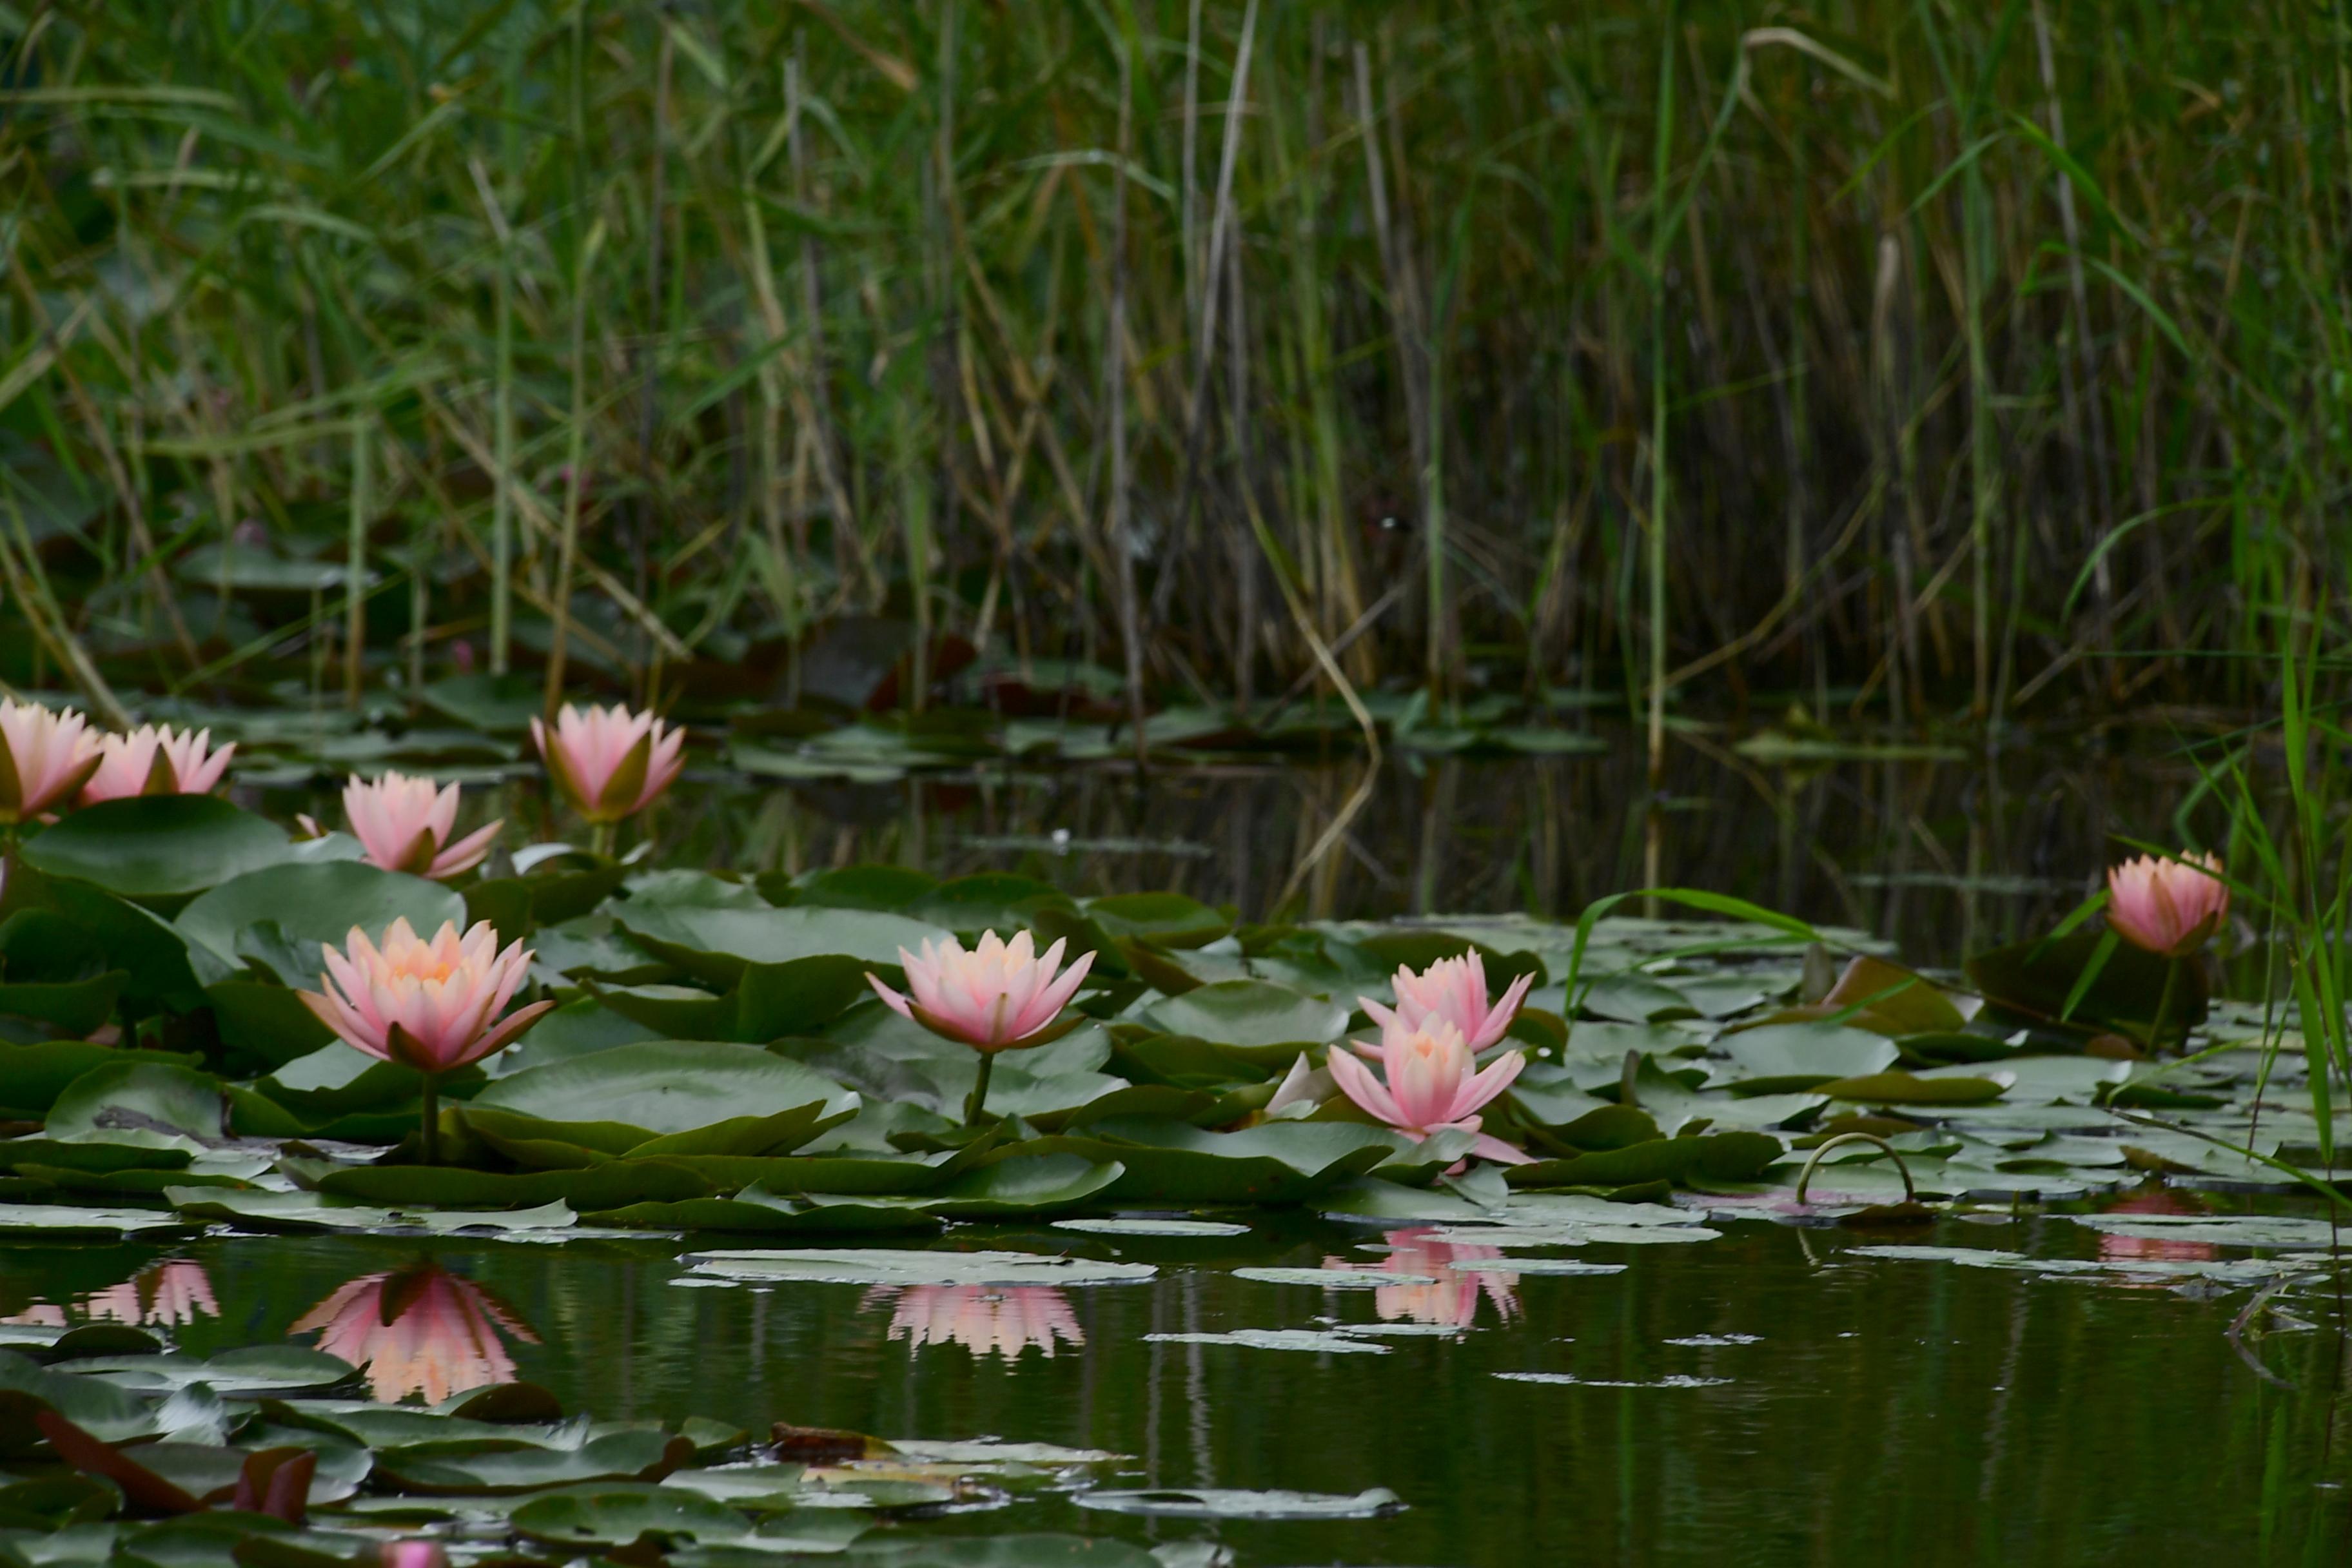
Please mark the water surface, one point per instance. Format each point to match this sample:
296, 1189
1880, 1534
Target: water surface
1766, 1397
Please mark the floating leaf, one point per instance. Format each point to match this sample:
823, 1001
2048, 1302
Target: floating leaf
142, 1102
1279, 1340
715, 945
32, 1077
1269, 1020
1125, 1226
1164, 919
1781, 1057
159, 847
315, 903
1906, 1088
1334, 1278
597, 1516
666, 1097
1208, 1503
1279, 1162
877, 1265
2036, 979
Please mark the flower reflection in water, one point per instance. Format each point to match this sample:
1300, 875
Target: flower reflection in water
2155, 1249
420, 1331
1453, 1301
163, 1295
166, 1296
985, 1320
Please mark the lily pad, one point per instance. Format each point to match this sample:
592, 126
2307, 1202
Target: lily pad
161, 847
1279, 1340
878, 1265
666, 1097
1123, 1226
1781, 1057
1164, 919
313, 903
715, 945
1279, 1162
142, 1102
1253, 1014
1217, 1503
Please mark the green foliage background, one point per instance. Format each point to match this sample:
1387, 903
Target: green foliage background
1971, 343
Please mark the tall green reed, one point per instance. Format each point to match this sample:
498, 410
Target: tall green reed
1960, 308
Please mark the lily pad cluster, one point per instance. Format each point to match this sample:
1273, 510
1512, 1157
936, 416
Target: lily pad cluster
717, 1059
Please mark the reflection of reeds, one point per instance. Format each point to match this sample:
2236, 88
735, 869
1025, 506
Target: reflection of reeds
1922, 358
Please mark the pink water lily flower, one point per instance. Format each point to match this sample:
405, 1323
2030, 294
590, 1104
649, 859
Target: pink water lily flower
1433, 1081
1454, 989
999, 996
431, 1005
405, 824
609, 762
2169, 907
46, 757
156, 759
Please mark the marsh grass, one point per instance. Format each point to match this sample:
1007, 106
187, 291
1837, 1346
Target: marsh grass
1920, 356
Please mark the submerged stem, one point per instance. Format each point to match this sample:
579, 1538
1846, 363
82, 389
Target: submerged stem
979, 1096
430, 1128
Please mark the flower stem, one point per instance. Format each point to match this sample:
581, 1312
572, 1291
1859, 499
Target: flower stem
602, 838
978, 1096
430, 1128
2163, 1005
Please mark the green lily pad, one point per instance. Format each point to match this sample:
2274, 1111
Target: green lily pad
1268, 1022
1781, 1057
1909, 1089
585, 1517
32, 1077
884, 888
619, 1456
764, 1002
1321, 1342
758, 1212
1123, 1225
166, 973
991, 900
1214, 1503
609, 1185
1278, 1161
1715, 1156
314, 903
666, 1098
140, 1102
2035, 980
1164, 919
99, 1408
78, 1006
1635, 998
715, 945
65, 1222
161, 847
880, 1266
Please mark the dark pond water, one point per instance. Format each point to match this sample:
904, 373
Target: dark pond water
1766, 1397
1940, 850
